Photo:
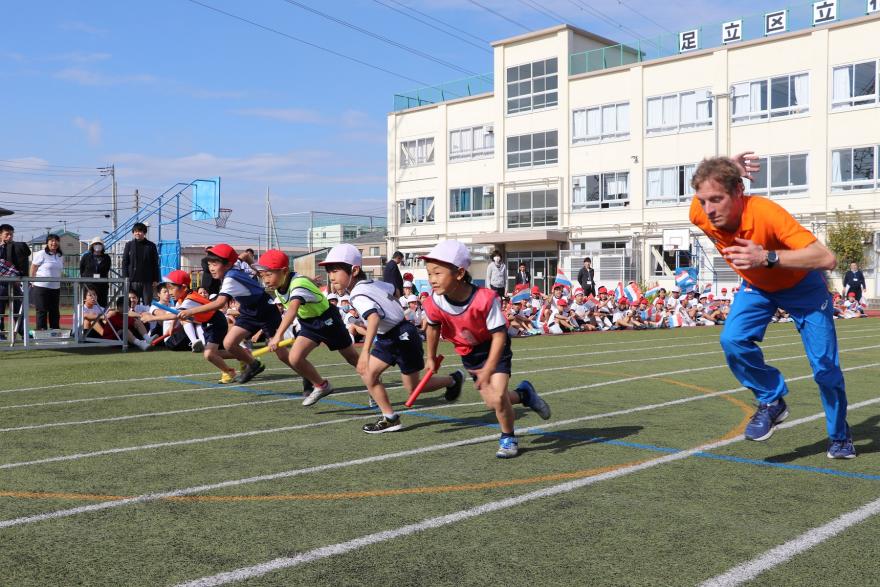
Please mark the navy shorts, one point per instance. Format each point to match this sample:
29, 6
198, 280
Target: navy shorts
327, 328
477, 358
401, 346
215, 329
266, 318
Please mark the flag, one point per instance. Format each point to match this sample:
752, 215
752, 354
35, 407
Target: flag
523, 295
619, 292
562, 279
652, 293
685, 279
675, 320
590, 301
633, 293
707, 289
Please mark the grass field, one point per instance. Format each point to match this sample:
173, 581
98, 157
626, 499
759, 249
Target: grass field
137, 469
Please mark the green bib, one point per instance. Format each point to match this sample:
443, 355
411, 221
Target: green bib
308, 309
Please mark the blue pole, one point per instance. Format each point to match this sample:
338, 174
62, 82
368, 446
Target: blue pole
177, 221
160, 219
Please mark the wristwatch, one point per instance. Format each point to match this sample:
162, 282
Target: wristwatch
772, 259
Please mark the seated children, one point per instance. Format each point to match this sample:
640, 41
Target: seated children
112, 329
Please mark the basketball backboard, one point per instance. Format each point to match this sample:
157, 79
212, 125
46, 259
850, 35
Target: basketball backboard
206, 199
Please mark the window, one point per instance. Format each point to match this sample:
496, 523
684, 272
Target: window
682, 111
471, 203
771, 98
665, 262
669, 186
532, 209
471, 143
787, 174
374, 251
532, 150
532, 86
854, 85
417, 152
416, 210
854, 169
602, 123
606, 190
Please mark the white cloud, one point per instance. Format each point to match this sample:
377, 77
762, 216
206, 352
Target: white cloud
91, 128
86, 77
82, 27
293, 115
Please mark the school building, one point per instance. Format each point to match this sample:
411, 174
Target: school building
581, 146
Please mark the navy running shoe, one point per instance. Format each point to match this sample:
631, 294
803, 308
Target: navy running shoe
454, 390
531, 399
765, 419
842, 449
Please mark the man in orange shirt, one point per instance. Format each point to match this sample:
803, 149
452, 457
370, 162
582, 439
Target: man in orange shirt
780, 262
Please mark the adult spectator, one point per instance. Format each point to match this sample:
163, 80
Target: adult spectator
496, 275
14, 257
391, 273
586, 277
140, 263
96, 264
47, 294
854, 281
781, 264
522, 275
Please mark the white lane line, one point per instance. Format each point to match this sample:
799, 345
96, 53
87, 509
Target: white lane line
285, 399
150, 497
586, 343
784, 552
445, 520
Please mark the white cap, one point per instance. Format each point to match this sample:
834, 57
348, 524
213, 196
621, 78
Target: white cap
332, 296
452, 252
344, 298
407, 284
412, 298
344, 253
675, 289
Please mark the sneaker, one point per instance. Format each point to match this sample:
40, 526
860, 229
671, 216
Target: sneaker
318, 393
531, 399
142, 344
508, 447
763, 421
227, 377
383, 424
842, 449
454, 390
198, 346
251, 371
308, 387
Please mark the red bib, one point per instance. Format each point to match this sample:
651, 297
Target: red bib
465, 330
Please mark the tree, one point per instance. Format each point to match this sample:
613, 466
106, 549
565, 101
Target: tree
847, 238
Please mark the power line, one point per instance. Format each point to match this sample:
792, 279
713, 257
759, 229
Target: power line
384, 39
599, 14
435, 27
310, 44
644, 16
545, 11
499, 15
444, 23
47, 165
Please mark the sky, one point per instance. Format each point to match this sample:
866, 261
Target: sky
172, 90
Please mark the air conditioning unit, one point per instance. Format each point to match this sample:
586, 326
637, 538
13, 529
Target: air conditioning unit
576, 182
488, 189
490, 128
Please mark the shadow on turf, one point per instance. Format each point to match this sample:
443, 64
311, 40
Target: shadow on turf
867, 430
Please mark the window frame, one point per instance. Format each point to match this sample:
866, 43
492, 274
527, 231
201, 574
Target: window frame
430, 155
483, 152
843, 104
531, 209
602, 136
766, 162
667, 126
471, 214
532, 150
683, 189
769, 112
859, 186
419, 204
531, 94
604, 202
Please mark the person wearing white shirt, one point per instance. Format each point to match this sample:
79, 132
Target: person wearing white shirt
47, 294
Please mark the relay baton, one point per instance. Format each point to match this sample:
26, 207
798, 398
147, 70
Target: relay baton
281, 345
166, 308
428, 374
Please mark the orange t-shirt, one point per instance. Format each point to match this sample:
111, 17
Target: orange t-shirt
768, 224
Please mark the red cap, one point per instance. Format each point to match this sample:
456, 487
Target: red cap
177, 277
623, 301
643, 300
851, 294
603, 289
223, 251
424, 294
561, 302
536, 289
408, 276
273, 260
520, 287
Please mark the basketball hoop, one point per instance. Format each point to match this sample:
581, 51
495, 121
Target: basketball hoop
222, 217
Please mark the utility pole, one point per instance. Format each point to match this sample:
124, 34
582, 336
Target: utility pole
111, 171
137, 201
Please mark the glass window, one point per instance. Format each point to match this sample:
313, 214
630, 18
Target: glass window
601, 123
471, 143
532, 86
684, 110
471, 203
854, 169
532, 209
598, 191
854, 85
532, 150
669, 186
786, 175
417, 152
416, 210
787, 95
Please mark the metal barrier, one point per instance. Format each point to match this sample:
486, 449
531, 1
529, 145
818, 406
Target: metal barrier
19, 336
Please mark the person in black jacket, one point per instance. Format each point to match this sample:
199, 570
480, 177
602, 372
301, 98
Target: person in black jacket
96, 263
140, 263
523, 275
586, 277
854, 281
391, 273
18, 255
